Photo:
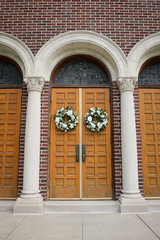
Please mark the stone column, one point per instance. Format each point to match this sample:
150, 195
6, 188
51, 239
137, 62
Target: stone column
130, 199
30, 200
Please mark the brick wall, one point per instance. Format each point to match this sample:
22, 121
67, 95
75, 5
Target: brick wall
36, 21
139, 140
22, 138
44, 145
116, 140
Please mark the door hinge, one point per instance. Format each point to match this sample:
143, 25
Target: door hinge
49, 139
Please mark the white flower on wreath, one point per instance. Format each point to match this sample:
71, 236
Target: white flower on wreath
70, 112
93, 125
89, 118
71, 125
99, 124
57, 120
105, 122
72, 117
98, 112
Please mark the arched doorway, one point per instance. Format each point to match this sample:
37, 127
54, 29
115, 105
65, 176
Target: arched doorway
10, 113
80, 160
149, 93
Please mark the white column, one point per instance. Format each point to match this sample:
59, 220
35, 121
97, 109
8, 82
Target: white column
30, 200
130, 199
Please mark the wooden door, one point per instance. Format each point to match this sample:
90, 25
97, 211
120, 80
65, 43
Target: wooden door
150, 132
96, 171
10, 113
64, 170
71, 179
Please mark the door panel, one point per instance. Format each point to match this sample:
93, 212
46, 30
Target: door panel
96, 171
64, 170
71, 179
150, 132
10, 113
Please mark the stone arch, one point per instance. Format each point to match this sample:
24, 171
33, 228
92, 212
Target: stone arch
15, 49
80, 42
145, 49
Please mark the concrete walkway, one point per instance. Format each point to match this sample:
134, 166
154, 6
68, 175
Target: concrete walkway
80, 226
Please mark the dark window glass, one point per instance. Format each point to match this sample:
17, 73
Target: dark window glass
9, 73
81, 72
150, 74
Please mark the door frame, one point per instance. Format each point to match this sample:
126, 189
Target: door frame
111, 130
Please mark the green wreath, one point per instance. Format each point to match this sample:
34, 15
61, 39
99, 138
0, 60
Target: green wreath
99, 124
72, 119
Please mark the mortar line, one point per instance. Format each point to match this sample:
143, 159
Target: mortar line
19, 222
148, 226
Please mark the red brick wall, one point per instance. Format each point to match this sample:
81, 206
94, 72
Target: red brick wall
116, 141
44, 145
36, 21
22, 138
139, 140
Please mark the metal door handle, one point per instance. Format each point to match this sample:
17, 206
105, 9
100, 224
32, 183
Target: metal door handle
77, 153
83, 153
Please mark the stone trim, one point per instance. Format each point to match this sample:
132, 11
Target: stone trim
14, 48
34, 83
80, 42
145, 49
126, 83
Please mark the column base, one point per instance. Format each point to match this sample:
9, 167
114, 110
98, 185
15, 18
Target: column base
132, 203
28, 205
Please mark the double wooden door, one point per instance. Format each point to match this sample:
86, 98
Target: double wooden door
71, 175
10, 113
150, 131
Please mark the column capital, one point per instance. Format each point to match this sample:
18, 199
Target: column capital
34, 83
126, 83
